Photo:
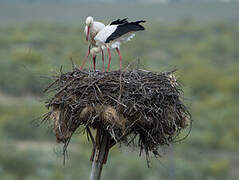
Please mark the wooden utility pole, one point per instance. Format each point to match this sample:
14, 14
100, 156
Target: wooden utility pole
99, 158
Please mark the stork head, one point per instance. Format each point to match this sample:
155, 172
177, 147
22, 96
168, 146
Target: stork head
89, 20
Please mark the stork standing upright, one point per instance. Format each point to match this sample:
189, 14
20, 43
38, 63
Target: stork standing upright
112, 35
91, 29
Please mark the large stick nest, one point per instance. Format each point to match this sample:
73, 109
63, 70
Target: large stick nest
128, 105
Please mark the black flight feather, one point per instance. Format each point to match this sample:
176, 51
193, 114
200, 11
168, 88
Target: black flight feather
119, 21
125, 28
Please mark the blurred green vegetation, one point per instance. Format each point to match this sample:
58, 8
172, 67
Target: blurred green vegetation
206, 58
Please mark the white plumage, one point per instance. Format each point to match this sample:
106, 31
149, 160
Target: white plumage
110, 36
104, 33
94, 28
125, 38
91, 30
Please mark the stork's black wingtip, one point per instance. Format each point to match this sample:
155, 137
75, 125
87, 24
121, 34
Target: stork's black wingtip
141, 21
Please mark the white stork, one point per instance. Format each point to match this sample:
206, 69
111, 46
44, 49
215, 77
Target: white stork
91, 29
112, 35
93, 51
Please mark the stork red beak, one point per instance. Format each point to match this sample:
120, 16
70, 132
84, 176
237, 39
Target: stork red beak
88, 32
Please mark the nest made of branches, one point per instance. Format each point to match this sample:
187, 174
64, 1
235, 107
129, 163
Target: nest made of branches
131, 105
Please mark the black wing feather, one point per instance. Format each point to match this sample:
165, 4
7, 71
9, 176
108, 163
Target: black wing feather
125, 28
119, 21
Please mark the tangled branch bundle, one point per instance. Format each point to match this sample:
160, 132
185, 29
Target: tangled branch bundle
132, 105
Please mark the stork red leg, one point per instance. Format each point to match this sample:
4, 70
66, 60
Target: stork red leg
86, 58
103, 65
108, 49
94, 57
118, 51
